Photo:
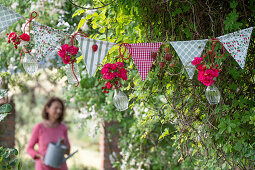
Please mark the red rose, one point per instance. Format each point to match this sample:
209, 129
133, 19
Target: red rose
72, 50
62, 53
25, 37
66, 59
208, 81
197, 60
65, 47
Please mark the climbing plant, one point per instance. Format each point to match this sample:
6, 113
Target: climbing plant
170, 124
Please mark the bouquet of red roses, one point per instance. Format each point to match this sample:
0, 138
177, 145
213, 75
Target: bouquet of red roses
112, 74
205, 75
68, 53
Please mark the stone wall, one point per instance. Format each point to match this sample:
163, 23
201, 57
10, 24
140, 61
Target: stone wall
109, 144
7, 127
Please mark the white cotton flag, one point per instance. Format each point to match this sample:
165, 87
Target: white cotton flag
237, 44
93, 58
7, 17
187, 51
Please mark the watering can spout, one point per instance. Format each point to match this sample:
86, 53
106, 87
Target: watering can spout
69, 156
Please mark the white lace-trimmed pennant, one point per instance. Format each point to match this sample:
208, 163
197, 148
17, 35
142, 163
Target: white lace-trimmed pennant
187, 51
93, 58
46, 39
7, 17
237, 44
141, 55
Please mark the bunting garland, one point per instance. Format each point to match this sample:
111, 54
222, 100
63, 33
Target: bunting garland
94, 52
187, 51
237, 44
7, 17
141, 54
47, 40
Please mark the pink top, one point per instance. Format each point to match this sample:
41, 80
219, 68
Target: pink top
43, 136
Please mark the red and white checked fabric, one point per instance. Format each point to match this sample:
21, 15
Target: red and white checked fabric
141, 54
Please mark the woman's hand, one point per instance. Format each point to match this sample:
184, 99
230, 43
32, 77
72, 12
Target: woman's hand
39, 156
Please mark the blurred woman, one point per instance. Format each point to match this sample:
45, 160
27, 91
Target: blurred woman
50, 130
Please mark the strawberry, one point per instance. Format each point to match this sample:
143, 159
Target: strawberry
168, 57
94, 47
161, 64
167, 50
171, 65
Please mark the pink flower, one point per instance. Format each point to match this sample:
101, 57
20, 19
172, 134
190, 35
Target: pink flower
107, 65
108, 76
212, 72
208, 81
120, 64
124, 77
123, 73
72, 50
62, 53
197, 60
108, 85
12, 36
115, 75
66, 59
25, 37
201, 76
113, 66
104, 70
65, 47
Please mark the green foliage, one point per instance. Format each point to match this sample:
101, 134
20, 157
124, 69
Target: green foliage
7, 162
170, 124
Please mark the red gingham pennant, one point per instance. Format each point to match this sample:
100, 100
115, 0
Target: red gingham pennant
141, 54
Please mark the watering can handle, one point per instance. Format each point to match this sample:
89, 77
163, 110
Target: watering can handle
58, 142
70, 155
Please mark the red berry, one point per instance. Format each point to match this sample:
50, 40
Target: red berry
153, 55
167, 50
162, 64
204, 55
168, 57
104, 91
94, 47
107, 91
171, 65
217, 65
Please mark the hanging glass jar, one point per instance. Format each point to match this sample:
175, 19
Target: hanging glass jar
70, 73
30, 64
212, 94
120, 100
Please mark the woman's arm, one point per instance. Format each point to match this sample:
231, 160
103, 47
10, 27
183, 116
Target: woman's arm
33, 140
67, 141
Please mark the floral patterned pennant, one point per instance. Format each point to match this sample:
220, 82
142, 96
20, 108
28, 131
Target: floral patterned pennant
187, 51
237, 44
46, 39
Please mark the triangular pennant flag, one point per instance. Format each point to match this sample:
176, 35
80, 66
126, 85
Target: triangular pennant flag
93, 58
46, 39
7, 17
141, 54
187, 51
237, 44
